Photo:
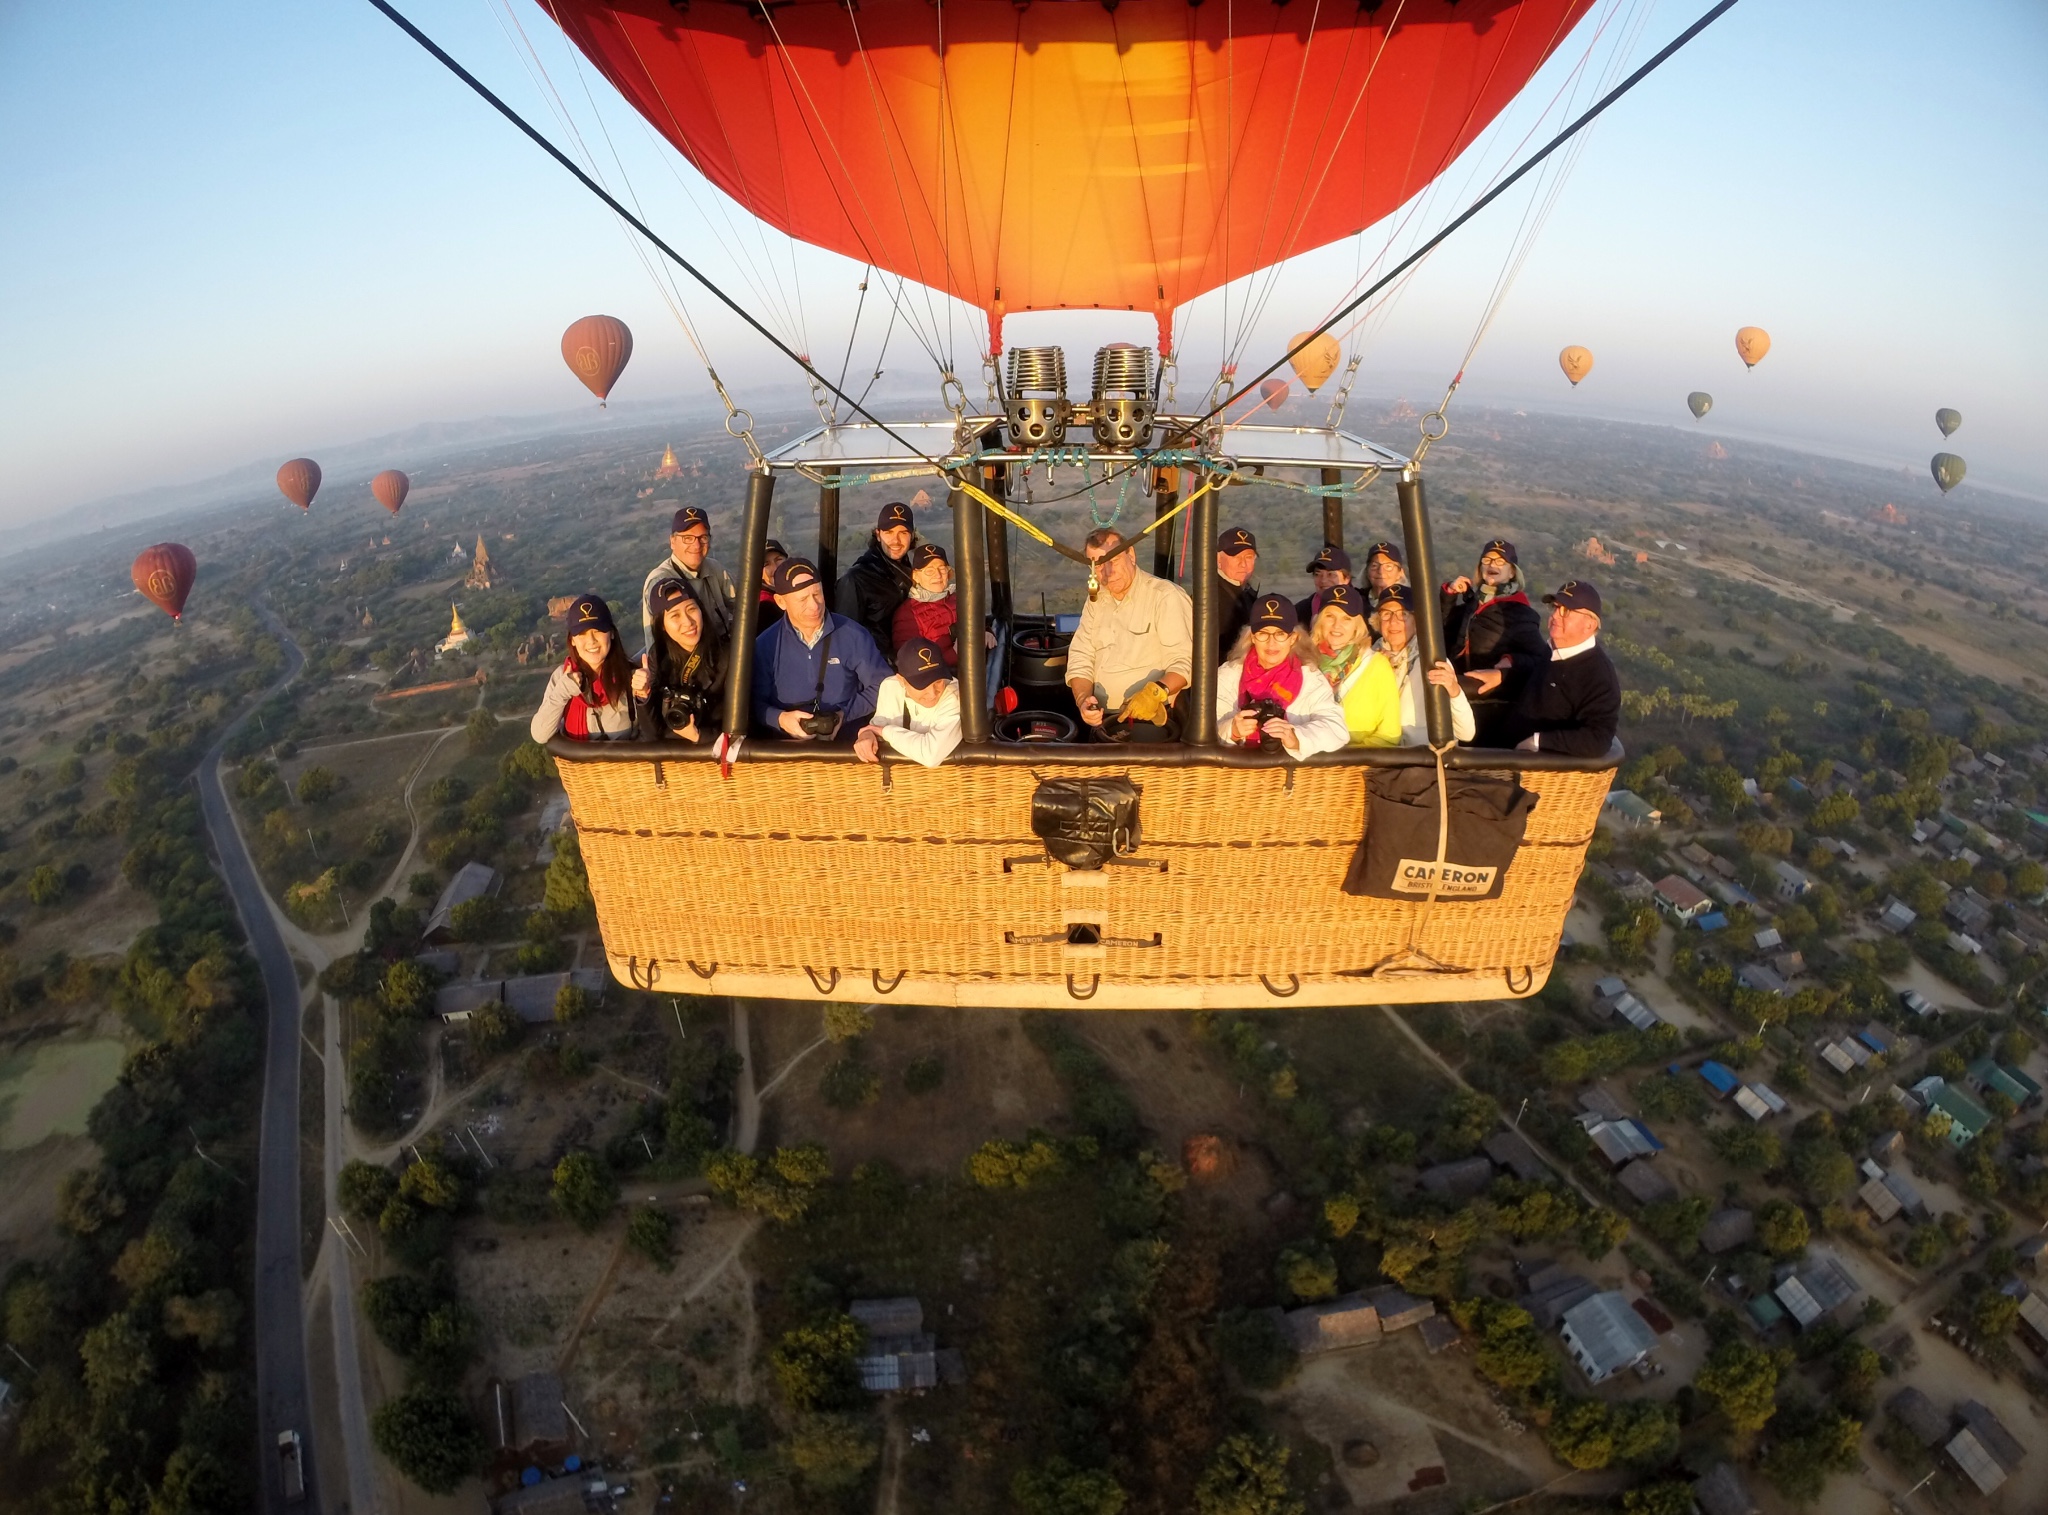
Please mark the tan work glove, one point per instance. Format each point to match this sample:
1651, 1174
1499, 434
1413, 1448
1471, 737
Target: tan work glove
1149, 704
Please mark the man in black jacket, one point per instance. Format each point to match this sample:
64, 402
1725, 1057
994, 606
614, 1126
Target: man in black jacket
1494, 637
879, 580
1571, 704
1237, 559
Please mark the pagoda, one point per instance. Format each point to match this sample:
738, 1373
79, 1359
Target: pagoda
458, 634
669, 467
480, 576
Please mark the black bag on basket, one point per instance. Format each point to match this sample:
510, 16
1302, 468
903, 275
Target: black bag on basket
1085, 822
1397, 859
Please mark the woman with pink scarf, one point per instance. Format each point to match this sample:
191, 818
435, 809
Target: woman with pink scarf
1269, 695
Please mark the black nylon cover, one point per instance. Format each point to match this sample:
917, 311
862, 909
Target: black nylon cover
1085, 822
1395, 861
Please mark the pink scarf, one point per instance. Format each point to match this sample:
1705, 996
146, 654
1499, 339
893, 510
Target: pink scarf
1280, 684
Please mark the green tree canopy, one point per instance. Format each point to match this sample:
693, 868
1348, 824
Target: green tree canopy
813, 1364
1742, 1381
831, 1453
584, 1190
429, 1437
1247, 1476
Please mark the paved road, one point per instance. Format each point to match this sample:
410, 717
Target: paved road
282, 1399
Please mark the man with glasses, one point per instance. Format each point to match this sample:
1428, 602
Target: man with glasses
1133, 653
1572, 703
689, 559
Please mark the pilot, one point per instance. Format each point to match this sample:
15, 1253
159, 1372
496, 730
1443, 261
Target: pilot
1133, 653
918, 710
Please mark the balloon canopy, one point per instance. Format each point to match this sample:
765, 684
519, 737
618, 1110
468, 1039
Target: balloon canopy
597, 349
1948, 420
1274, 392
390, 487
1576, 362
1752, 342
163, 574
1061, 156
1948, 470
1314, 364
300, 481
1699, 402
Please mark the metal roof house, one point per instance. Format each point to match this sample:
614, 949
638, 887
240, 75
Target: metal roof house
1817, 1291
1897, 917
539, 1418
1720, 1078
1790, 882
1605, 1336
1878, 1196
1722, 1492
900, 1355
1398, 1308
1352, 1321
1916, 1412
1631, 809
1966, 1117
472, 881
1748, 1102
1511, 1150
1762, 978
1645, 1185
1728, 1229
1459, 1180
1680, 899
1992, 1077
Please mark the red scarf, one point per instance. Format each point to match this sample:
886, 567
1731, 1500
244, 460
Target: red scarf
576, 719
1280, 684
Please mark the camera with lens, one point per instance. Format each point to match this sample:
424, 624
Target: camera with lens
679, 707
822, 724
1266, 710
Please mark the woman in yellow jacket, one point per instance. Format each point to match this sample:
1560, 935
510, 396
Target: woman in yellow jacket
1340, 647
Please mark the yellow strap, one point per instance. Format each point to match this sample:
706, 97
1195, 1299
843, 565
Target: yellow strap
989, 502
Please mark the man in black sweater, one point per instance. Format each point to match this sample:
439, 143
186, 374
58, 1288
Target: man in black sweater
1237, 559
1571, 704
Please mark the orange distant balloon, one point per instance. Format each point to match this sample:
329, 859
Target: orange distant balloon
390, 488
300, 481
1576, 362
1314, 364
163, 574
597, 349
1752, 342
920, 500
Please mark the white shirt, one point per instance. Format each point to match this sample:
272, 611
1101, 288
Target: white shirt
1123, 644
1315, 715
924, 734
1408, 678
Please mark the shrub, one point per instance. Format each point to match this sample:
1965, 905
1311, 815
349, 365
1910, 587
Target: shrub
847, 1022
924, 1074
479, 729
584, 1190
572, 1004
318, 784
651, 1233
850, 1085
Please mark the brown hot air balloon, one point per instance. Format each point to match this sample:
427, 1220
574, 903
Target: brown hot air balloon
1314, 364
597, 349
1752, 342
1576, 362
163, 574
1273, 392
300, 481
390, 488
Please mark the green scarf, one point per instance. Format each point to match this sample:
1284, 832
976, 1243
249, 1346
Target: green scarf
1334, 665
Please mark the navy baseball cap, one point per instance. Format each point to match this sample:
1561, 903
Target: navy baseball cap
668, 594
1330, 558
792, 574
1274, 613
589, 613
1576, 594
921, 663
925, 553
1384, 550
1236, 540
894, 514
1346, 597
1396, 594
775, 548
1504, 547
689, 518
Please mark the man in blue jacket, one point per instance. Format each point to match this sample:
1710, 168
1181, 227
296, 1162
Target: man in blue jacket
816, 674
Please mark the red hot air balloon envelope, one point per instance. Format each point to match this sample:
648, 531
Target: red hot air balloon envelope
163, 574
300, 481
945, 143
597, 349
390, 488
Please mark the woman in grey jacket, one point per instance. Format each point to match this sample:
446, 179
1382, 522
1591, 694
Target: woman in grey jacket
588, 698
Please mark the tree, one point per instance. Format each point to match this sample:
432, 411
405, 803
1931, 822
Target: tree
1993, 1315
584, 1190
1600, 1232
1580, 1435
408, 989
1645, 1432
431, 1182
846, 1022
1807, 1445
849, 1084
477, 920
1677, 1222
317, 784
651, 1232
1823, 1170
1782, 1229
572, 1004
1631, 932
1252, 1345
429, 1437
1665, 1497
479, 729
1836, 813
492, 1029
813, 1364
1749, 1147
831, 1452
1307, 1272
924, 1074
1247, 1476
567, 891
1509, 1351
1742, 1382
46, 887
1057, 1487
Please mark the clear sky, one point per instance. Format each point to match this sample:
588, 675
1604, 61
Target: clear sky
254, 228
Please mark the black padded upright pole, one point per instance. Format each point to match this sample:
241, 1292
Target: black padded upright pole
1199, 725
1333, 508
1164, 498
828, 540
1429, 615
746, 611
997, 482
971, 573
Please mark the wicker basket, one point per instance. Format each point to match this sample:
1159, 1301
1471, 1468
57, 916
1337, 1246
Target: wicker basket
824, 878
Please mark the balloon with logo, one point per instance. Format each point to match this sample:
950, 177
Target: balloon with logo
1576, 362
1314, 364
1699, 402
163, 575
1752, 342
597, 349
299, 480
390, 487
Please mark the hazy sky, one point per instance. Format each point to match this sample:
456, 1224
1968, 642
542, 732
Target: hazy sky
254, 228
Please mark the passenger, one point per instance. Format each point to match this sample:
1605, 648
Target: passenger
586, 698
1237, 559
1270, 694
879, 580
770, 612
680, 683
1401, 645
1384, 568
816, 674
1134, 649
1327, 569
1340, 645
1573, 703
1494, 636
689, 559
932, 609
918, 711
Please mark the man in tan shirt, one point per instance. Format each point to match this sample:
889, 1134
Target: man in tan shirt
1134, 651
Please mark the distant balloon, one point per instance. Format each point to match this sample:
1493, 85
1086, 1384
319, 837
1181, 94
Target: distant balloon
1273, 392
163, 574
1752, 342
1948, 420
300, 481
1314, 364
1948, 470
390, 488
1576, 362
597, 349
1699, 402
920, 500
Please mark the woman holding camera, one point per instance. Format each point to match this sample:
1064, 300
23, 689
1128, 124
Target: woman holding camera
680, 683
1270, 695
586, 698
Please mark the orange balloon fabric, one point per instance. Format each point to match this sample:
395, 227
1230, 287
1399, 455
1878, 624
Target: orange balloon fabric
1314, 364
597, 349
1576, 362
300, 481
1069, 155
1752, 342
163, 574
390, 487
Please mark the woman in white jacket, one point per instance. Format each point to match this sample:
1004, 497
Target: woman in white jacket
589, 697
1395, 621
1270, 677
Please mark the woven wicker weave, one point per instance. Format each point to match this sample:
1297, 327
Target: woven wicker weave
829, 879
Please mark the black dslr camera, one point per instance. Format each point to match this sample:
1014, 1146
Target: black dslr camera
1266, 710
679, 707
823, 724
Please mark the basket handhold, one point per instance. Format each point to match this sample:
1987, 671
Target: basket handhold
1294, 986
653, 973
823, 986
703, 973
1528, 978
1094, 983
894, 983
